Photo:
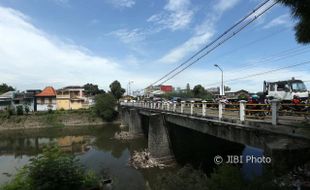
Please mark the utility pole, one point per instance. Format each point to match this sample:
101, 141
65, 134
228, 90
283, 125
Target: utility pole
129, 88
222, 90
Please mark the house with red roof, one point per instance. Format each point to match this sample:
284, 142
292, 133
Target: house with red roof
46, 100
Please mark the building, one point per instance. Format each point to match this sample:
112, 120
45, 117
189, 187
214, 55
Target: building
46, 100
157, 90
72, 97
26, 99
6, 100
238, 95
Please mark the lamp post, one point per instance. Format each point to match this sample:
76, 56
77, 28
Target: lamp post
222, 92
129, 88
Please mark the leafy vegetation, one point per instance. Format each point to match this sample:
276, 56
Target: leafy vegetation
19, 110
105, 107
5, 88
116, 90
92, 89
301, 11
52, 170
223, 178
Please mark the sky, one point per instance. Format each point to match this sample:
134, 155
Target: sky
73, 42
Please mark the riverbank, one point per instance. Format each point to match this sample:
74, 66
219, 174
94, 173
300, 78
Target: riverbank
56, 119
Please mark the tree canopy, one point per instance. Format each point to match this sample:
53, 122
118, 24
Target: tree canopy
300, 10
5, 88
116, 89
92, 89
105, 106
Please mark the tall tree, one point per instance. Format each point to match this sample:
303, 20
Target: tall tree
5, 88
198, 90
92, 89
300, 10
116, 89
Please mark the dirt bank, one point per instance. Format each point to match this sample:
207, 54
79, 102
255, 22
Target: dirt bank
46, 120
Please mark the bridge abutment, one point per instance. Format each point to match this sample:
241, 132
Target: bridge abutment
158, 139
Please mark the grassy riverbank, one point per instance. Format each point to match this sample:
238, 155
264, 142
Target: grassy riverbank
53, 119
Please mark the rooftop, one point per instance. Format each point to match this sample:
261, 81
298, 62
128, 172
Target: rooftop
48, 91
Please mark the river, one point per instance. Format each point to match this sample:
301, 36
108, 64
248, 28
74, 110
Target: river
97, 150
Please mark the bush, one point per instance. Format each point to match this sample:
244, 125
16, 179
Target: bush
52, 170
105, 107
186, 178
19, 110
27, 110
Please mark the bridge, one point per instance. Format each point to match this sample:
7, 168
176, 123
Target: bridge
286, 142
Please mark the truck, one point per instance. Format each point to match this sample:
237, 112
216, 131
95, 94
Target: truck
286, 90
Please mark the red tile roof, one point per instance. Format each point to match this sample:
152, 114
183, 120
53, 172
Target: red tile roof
48, 91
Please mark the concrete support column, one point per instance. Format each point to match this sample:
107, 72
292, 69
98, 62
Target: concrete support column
182, 106
204, 108
242, 110
158, 139
168, 106
192, 107
275, 105
122, 112
174, 106
163, 105
221, 106
135, 125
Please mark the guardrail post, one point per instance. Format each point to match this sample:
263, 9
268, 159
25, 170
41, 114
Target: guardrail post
204, 108
174, 106
242, 110
221, 110
182, 106
192, 107
275, 105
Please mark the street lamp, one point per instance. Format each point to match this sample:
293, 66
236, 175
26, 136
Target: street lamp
222, 92
129, 88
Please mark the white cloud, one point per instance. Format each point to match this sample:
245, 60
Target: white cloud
223, 5
30, 58
203, 33
129, 36
189, 46
122, 3
283, 20
176, 15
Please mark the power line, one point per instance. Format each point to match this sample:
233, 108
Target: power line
263, 73
270, 59
220, 43
211, 43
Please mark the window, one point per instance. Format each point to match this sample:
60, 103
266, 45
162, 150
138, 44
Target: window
280, 87
272, 87
299, 86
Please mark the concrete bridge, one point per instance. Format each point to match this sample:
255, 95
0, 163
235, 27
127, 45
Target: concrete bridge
285, 144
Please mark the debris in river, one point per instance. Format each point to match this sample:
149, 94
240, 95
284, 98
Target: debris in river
123, 135
144, 160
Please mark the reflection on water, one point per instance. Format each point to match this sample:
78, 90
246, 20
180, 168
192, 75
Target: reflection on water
95, 148
98, 151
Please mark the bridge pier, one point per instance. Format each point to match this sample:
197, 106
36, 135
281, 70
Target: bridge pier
135, 125
124, 116
158, 139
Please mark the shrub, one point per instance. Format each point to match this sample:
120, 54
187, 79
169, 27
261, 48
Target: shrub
105, 107
52, 170
27, 110
19, 110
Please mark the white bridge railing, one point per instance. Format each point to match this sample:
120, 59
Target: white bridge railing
241, 111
